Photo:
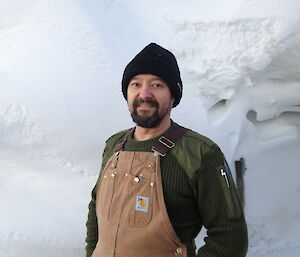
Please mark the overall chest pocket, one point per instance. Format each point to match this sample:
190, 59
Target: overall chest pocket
142, 200
127, 190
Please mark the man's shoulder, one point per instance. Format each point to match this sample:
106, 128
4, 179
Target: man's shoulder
113, 139
194, 144
190, 149
195, 139
198, 139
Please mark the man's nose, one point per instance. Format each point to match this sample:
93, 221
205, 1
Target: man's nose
145, 91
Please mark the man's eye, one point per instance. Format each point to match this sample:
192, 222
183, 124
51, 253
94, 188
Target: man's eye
134, 84
157, 85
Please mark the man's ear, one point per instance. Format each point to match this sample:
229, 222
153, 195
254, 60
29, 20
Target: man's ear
173, 100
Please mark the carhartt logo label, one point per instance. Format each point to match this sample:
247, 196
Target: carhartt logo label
142, 203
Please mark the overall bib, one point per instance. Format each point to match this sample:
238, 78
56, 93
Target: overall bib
131, 212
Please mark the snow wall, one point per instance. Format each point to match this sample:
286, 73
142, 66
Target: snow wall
61, 64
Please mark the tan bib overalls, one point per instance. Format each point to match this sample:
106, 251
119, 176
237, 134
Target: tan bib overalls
132, 216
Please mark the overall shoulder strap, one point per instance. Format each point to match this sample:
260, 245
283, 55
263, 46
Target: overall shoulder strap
167, 142
120, 144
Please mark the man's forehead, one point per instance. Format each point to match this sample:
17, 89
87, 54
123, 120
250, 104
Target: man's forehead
150, 77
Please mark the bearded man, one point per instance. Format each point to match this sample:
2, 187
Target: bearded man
160, 183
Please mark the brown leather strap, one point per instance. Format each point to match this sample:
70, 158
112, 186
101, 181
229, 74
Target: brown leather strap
167, 142
120, 145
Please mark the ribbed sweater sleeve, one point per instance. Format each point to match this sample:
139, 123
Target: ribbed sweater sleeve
220, 208
91, 226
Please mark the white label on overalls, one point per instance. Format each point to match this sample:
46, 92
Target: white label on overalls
141, 203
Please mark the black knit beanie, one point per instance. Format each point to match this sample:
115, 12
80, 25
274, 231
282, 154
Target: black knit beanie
154, 59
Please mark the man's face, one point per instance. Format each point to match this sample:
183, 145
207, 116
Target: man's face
149, 100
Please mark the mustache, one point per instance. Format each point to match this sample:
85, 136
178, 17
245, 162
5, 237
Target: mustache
148, 101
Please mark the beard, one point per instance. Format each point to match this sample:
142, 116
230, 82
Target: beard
145, 120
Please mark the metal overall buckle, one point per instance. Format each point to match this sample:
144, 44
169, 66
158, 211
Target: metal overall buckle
166, 142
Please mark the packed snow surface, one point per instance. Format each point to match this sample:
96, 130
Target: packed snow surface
61, 64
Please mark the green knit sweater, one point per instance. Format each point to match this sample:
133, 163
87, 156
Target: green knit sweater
195, 192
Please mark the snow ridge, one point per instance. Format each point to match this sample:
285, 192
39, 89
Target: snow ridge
18, 127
